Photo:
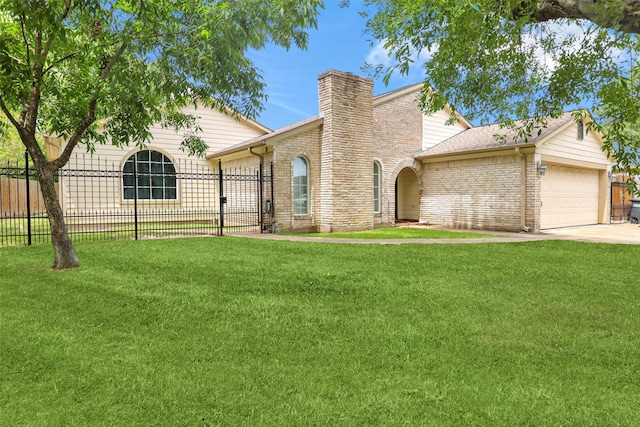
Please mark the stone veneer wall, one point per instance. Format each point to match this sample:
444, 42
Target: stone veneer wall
346, 182
306, 145
397, 134
481, 193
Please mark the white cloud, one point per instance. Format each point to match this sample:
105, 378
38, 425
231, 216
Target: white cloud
570, 36
380, 56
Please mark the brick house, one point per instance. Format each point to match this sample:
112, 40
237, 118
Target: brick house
369, 161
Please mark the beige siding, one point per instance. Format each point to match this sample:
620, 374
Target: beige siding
219, 131
435, 130
79, 194
565, 147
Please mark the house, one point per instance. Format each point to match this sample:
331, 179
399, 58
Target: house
368, 162
100, 186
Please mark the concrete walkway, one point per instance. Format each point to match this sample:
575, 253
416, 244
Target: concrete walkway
614, 233
611, 233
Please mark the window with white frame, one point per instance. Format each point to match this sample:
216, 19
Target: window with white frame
300, 187
152, 174
376, 187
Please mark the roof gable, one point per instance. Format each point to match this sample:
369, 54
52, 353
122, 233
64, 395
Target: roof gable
270, 138
483, 138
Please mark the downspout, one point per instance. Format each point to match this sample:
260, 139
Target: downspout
256, 154
523, 190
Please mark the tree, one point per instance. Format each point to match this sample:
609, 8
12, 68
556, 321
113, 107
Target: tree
104, 71
11, 148
512, 59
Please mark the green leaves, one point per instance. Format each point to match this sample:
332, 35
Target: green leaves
132, 64
494, 61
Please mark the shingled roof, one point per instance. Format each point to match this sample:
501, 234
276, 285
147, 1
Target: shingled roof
274, 136
482, 138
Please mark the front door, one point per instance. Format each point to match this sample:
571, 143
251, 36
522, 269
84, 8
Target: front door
407, 196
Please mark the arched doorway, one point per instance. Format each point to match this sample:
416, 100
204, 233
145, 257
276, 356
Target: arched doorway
407, 196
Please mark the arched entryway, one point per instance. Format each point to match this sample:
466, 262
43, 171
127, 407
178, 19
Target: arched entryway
407, 196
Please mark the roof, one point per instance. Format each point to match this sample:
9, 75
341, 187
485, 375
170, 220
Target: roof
483, 138
271, 138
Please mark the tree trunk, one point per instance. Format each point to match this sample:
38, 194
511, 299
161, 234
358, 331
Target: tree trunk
65, 255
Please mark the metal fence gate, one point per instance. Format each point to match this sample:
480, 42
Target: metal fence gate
620, 200
97, 198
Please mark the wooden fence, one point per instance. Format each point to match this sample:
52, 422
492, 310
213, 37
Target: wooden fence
13, 197
620, 198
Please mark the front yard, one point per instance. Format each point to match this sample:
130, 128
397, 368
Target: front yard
233, 331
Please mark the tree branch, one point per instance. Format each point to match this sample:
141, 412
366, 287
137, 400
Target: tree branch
62, 17
28, 139
90, 116
60, 60
24, 38
621, 15
12, 119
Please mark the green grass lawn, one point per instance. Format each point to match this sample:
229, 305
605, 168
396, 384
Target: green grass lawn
233, 331
397, 233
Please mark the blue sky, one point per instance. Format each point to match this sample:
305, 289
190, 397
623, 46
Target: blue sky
292, 76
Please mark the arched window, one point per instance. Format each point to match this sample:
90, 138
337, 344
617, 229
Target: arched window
300, 187
376, 187
155, 173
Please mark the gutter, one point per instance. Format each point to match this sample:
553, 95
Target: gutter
437, 157
523, 190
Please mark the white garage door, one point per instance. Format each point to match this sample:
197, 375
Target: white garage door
569, 197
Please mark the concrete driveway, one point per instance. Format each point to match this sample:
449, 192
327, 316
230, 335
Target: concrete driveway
609, 233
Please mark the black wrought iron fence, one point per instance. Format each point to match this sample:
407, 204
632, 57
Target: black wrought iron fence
102, 201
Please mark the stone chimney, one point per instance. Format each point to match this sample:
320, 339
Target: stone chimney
346, 181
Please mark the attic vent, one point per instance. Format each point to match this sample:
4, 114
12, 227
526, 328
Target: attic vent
580, 130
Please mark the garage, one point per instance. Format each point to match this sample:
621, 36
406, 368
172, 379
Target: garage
569, 196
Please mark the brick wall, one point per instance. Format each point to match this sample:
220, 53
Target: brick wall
397, 133
307, 145
346, 183
482, 193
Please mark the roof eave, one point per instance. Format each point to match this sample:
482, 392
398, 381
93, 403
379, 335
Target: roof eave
478, 151
266, 140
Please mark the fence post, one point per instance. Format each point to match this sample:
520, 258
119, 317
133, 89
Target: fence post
261, 197
135, 195
28, 185
272, 212
223, 199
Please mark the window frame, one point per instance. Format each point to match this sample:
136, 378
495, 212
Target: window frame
156, 172
377, 187
300, 189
